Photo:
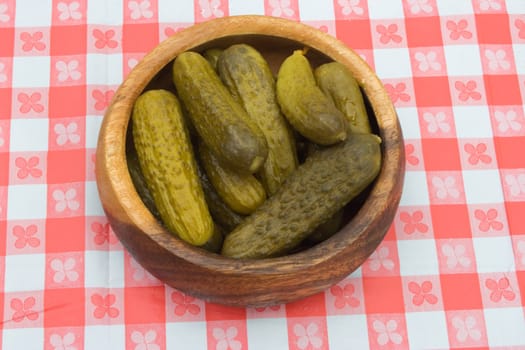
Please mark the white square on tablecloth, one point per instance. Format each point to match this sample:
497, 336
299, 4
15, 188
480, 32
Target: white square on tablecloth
179, 11
104, 269
415, 189
104, 337
417, 257
24, 272
29, 135
23, 338
92, 129
93, 207
347, 332
26, 202
259, 329
104, 69
493, 254
515, 7
392, 63
316, 10
33, 13
186, 335
463, 60
243, 7
465, 117
31, 71
519, 56
482, 186
105, 12
455, 7
505, 326
409, 120
381, 9
427, 330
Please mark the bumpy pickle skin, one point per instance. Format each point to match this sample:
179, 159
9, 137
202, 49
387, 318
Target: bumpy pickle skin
219, 120
247, 75
336, 81
321, 186
167, 161
305, 106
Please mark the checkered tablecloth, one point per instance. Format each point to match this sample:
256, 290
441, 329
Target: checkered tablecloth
449, 274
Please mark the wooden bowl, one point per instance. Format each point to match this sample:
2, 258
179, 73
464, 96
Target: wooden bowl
213, 277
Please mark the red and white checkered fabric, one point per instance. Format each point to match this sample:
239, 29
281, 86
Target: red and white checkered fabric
450, 273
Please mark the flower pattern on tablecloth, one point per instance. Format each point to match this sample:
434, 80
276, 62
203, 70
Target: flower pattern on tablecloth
105, 39
64, 270
145, 341
455, 255
23, 309
507, 121
4, 16
487, 220
63, 343
281, 8
388, 33
422, 293
467, 90
30, 102
466, 328
397, 92
380, 259
344, 296
500, 289
477, 153
387, 332
307, 336
69, 10
32, 41
226, 338
68, 71
419, 6
211, 8
350, 6
140, 9
184, 304
413, 222
458, 29
66, 200
25, 236
28, 167
104, 305
67, 133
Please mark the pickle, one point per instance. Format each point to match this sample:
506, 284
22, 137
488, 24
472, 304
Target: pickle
336, 81
327, 181
305, 106
221, 122
167, 161
242, 192
212, 55
248, 77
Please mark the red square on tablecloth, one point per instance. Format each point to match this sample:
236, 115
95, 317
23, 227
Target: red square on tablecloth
461, 291
356, 33
67, 101
64, 307
218, 312
140, 37
509, 152
432, 91
311, 306
5, 103
423, 31
68, 40
502, 89
516, 220
375, 301
441, 154
7, 47
450, 221
65, 166
65, 234
144, 304
493, 28
4, 168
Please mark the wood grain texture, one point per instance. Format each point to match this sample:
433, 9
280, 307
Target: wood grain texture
247, 282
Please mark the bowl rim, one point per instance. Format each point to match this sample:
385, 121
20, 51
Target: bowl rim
115, 123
